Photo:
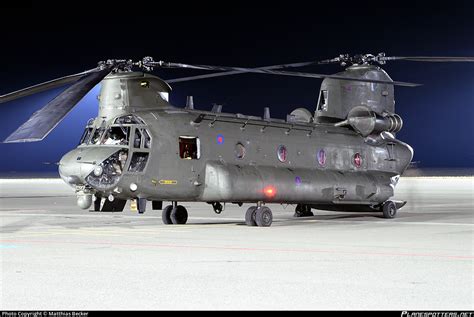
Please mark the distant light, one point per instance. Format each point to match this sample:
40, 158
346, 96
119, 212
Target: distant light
133, 187
270, 191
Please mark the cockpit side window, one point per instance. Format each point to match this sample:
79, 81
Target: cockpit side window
116, 135
138, 138
138, 162
86, 136
147, 138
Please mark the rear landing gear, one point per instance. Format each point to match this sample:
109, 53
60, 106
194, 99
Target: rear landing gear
389, 209
174, 214
250, 216
166, 215
259, 216
179, 215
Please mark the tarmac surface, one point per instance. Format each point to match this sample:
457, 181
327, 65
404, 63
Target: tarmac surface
55, 256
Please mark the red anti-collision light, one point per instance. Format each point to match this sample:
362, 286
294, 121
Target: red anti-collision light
269, 191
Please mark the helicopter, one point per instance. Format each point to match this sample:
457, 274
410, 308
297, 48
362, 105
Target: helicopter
343, 156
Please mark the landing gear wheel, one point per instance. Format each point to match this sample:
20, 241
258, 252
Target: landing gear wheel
166, 215
250, 216
264, 217
179, 215
303, 211
389, 209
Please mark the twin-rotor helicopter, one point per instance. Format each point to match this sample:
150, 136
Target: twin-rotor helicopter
343, 156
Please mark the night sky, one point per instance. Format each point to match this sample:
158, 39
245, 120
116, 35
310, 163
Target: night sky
437, 116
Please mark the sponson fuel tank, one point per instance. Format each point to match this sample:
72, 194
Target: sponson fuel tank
229, 182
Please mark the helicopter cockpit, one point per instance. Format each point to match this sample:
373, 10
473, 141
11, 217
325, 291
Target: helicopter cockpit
133, 141
118, 133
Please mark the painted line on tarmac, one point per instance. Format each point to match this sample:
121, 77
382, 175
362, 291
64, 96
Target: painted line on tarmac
256, 249
216, 220
8, 246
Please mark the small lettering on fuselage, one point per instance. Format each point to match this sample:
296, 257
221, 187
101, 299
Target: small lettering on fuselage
168, 182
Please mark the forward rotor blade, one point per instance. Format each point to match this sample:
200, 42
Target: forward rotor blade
436, 59
235, 72
284, 73
43, 121
45, 86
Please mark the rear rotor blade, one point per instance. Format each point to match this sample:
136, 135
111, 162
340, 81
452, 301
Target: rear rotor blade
436, 59
43, 121
45, 86
235, 72
284, 73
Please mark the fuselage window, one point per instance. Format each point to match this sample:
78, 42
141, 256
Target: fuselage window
189, 148
282, 153
323, 101
147, 138
138, 162
138, 138
86, 135
97, 136
116, 136
321, 155
239, 151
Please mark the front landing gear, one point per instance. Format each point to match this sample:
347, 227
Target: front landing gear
389, 209
174, 214
259, 216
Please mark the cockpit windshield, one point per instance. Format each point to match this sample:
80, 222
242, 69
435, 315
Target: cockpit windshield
86, 135
116, 135
97, 136
123, 131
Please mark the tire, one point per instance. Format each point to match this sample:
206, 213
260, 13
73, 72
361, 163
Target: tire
389, 209
250, 216
264, 217
166, 215
179, 215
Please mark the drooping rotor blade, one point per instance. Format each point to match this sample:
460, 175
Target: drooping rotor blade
235, 72
43, 121
436, 59
45, 86
284, 73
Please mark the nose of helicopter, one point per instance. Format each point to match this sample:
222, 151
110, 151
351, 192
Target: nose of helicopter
76, 165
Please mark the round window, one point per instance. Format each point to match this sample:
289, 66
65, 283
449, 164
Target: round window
239, 151
321, 157
282, 153
357, 160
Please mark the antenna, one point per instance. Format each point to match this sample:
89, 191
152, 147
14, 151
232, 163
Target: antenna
189, 103
216, 108
266, 114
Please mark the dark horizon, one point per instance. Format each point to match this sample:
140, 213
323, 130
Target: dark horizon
437, 116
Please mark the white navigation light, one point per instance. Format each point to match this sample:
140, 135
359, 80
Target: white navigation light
133, 187
98, 170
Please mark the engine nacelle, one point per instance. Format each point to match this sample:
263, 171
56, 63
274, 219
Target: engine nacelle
367, 122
